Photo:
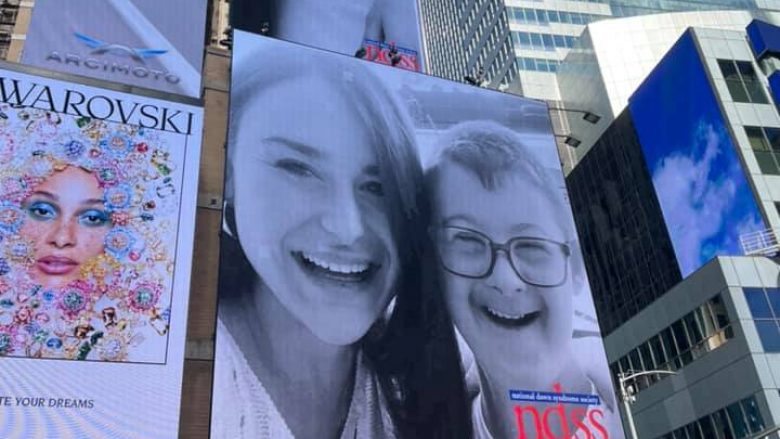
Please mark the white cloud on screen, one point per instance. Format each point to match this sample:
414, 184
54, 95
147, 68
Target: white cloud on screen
695, 200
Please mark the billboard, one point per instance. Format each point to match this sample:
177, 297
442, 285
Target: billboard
398, 259
97, 207
367, 29
706, 200
145, 43
389, 54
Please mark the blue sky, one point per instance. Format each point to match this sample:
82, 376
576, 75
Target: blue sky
704, 194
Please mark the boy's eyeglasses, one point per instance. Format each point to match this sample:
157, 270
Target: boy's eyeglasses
472, 254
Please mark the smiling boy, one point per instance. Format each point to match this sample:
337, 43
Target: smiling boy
505, 243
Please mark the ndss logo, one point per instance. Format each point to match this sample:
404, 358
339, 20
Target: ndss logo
99, 48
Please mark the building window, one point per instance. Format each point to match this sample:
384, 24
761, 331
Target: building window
537, 64
700, 331
738, 420
543, 17
545, 42
765, 143
742, 81
764, 304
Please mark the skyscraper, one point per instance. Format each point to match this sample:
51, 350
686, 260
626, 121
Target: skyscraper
469, 38
635, 248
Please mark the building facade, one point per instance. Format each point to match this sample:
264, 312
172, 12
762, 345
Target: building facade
625, 244
717, 332
544, 32
469, 38
613, 68
524, 47
662, 202
617, 193
463, 36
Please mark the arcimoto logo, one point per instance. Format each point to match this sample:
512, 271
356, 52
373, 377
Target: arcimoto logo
101, 48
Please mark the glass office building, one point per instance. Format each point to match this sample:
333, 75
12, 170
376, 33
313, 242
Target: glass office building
613, 68
463, 36
469, 38
544, 32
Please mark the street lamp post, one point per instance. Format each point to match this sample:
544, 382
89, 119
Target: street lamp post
627, 393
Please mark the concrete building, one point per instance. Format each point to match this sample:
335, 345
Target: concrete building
533, 36
704, 118
712, 327
523, 47
613, 68
718, 331
544, 32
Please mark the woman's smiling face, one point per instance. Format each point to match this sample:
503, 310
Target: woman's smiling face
311, 214
67, 222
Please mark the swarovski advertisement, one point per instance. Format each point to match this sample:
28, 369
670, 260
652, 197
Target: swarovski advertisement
385, 31
97, 195
706, 200
145, 43
398, 260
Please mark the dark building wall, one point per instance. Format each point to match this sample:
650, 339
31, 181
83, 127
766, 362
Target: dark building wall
627, 250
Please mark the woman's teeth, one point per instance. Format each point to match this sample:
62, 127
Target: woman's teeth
336, 267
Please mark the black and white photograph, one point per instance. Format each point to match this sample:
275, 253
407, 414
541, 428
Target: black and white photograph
398, 260
350, 27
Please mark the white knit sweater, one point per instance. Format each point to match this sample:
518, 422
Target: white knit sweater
243, 409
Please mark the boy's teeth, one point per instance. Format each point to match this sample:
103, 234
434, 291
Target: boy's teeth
505, 316
336, 267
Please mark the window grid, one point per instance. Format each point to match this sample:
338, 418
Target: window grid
742, 81
544, 17
537, 64
540, 41
764, 304
700, 331
765, 143
735, 421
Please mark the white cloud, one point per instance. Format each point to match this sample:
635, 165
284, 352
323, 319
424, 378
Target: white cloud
695, 201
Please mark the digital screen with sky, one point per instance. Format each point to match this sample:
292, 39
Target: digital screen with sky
704, 195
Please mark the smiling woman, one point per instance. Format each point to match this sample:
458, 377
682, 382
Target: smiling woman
325, 274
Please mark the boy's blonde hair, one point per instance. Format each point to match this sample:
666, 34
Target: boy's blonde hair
494, 153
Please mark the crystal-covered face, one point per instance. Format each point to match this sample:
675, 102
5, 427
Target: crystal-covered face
67, 223
310, 208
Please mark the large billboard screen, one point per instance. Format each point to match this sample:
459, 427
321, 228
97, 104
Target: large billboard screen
146, 43
384, 31
97, 194
398, 259
706, 200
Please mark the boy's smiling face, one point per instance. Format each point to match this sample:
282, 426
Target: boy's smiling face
515, 329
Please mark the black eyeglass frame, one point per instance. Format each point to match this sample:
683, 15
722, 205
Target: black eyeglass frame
506, 248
